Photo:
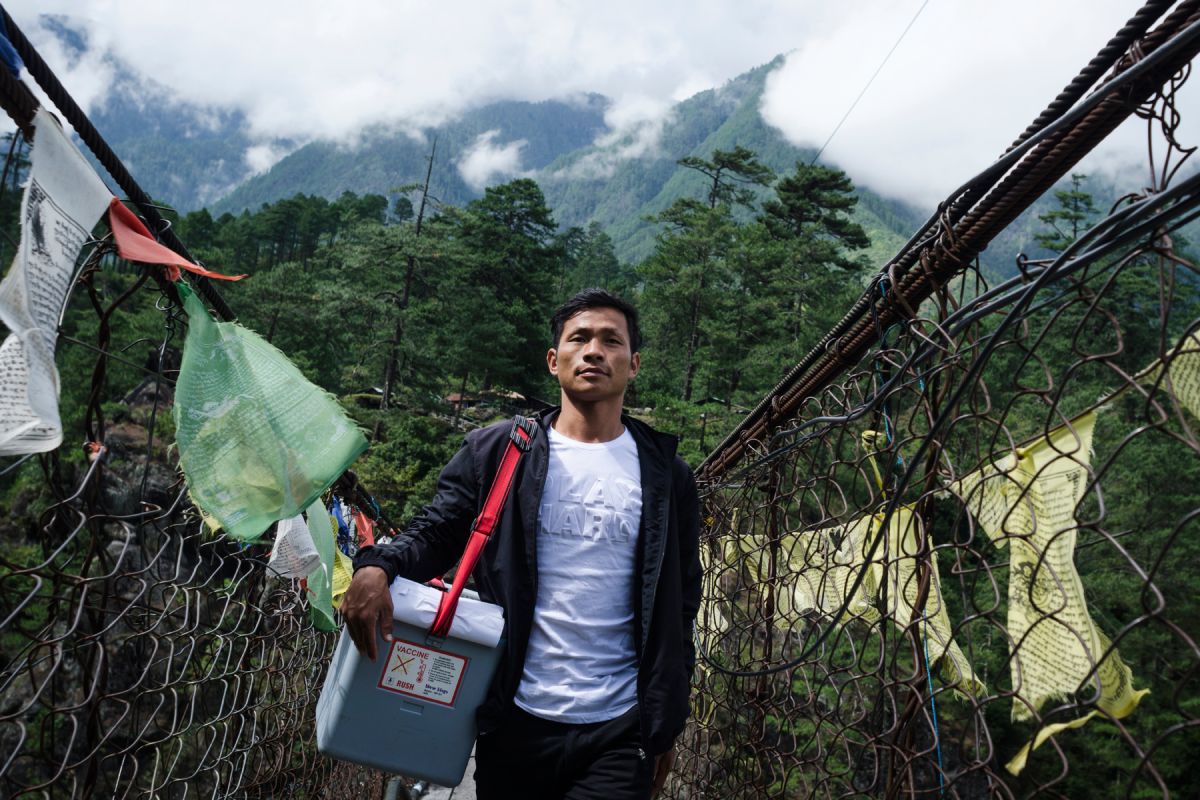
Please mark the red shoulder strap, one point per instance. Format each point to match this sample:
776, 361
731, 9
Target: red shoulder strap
520, 438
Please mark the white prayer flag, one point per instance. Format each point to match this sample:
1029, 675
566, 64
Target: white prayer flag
63, 200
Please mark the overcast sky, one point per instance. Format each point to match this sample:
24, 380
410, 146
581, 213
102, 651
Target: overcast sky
966, 79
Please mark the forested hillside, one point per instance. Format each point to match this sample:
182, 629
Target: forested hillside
414, 307
425, 325
619, 184
186, 154
426, 318
598, 184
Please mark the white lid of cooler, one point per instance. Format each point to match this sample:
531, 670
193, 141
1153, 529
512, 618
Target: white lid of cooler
474, 621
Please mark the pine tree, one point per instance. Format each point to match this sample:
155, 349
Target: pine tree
816, 268
733, 174
1070, 219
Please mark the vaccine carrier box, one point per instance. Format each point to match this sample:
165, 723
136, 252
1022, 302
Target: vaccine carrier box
412, 711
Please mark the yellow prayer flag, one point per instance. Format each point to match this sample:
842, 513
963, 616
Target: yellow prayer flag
1183, 372
1027, 501
713, 622
813, 571
209, 520
343, 573
904, 557
869, 439
821, 566
343, 569
1117, 698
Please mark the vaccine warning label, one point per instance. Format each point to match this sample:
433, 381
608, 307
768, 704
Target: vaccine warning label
425, 673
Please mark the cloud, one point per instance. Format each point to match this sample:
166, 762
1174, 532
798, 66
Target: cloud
308, 69
88, 73
483, 160
261, 157
635, 129
967, 78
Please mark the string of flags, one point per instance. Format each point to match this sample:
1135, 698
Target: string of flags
260, 446
63, 200
135, 243
1025, 502
258, 443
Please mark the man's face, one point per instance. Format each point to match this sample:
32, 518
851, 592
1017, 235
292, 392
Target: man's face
593, 360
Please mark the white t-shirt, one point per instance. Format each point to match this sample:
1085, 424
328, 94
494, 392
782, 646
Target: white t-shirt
581, 665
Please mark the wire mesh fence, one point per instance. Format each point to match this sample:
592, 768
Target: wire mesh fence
963, 566
142, 655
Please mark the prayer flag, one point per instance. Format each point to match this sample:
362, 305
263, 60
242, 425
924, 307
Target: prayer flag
62, 203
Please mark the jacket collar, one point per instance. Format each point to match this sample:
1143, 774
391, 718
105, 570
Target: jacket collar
663, 445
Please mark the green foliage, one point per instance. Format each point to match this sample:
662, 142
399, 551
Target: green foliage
737, 279
383, 157
731, 304
588, 259
1071, 218
732, 175
358, 293
403, 469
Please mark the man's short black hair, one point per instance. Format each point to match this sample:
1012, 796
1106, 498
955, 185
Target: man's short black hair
596, 298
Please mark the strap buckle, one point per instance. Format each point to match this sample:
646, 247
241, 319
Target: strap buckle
521, 433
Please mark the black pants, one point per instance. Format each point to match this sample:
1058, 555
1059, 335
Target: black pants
529, 758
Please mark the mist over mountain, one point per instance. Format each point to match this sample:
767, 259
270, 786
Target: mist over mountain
487, 145
191, 156
183, 154
588, 172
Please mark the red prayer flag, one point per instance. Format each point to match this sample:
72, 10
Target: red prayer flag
135, 243
364, 528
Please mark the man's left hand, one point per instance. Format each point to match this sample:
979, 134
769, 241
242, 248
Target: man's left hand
663, 762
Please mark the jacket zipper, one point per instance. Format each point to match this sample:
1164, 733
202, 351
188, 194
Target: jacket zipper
540, 472
648, 616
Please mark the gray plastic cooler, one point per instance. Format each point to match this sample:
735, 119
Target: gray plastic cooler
412, 711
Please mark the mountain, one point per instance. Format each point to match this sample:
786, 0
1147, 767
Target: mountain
603, 183
187, 156
181, 153
192, 156
587, 172
385, 158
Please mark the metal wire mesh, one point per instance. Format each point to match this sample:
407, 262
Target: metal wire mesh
966, 537
140, 654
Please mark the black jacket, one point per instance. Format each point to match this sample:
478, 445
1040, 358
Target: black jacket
667, 593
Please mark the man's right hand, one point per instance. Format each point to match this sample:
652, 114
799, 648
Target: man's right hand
367, 606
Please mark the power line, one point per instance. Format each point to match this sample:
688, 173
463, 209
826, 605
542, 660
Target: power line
878, 69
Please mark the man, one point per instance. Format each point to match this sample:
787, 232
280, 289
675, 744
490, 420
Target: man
595, 562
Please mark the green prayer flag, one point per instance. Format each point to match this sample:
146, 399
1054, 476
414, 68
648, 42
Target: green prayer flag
320, 580
257, 441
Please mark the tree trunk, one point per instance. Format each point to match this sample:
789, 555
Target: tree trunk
735, 379
693, 342
390, 370
462, 395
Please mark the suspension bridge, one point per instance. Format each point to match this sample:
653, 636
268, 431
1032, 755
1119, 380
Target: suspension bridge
949, 555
